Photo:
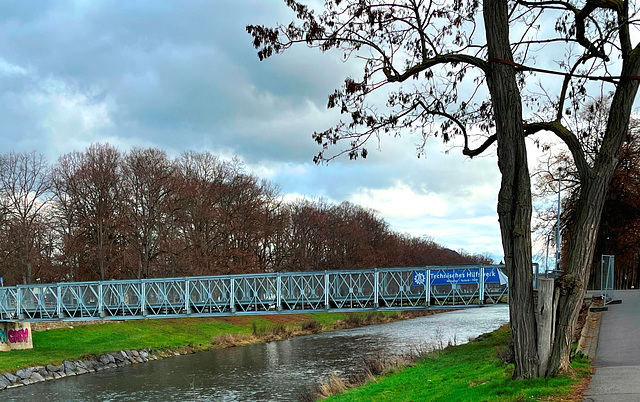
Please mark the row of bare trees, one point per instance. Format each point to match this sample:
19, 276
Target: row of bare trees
619, 231
102, 214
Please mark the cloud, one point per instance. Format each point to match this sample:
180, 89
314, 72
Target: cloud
67, 117
7, 68
401, 201
184, 75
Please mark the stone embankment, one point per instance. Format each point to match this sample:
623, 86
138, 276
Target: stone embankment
33, 375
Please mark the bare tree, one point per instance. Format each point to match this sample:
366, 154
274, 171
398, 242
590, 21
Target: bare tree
24, 188
148, 195
418, 52
200, 220
619, 231
65, 212
89, 205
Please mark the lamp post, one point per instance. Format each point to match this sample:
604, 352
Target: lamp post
558, 241
546, 260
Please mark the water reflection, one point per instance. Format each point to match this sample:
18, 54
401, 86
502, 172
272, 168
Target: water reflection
264, 372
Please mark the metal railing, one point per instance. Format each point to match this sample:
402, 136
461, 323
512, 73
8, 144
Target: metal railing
283, 292
607, 265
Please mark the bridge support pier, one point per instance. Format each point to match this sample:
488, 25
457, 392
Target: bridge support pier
15, 336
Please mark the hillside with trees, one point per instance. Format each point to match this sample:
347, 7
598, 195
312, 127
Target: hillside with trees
103, 214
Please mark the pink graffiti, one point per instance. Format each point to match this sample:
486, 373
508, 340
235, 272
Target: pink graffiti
21, 335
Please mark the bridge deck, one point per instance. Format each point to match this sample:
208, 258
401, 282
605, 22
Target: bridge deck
269, 293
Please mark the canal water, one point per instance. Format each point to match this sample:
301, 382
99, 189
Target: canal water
272, 371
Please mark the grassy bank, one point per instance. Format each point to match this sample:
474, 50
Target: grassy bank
471, 372
83, 341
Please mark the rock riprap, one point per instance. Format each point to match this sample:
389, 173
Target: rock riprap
68, 368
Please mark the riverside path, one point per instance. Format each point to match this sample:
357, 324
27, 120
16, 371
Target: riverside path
617, 376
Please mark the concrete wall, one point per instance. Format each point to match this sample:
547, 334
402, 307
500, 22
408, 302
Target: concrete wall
15, 335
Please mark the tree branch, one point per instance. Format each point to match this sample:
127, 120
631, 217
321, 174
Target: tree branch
569, 138
565, 85
440, 59
624, 35
582, 14
483, 147
564, 4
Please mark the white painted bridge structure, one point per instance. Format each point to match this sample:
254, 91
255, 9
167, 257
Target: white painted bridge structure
409, 288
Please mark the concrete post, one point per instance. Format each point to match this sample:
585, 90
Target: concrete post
544, 313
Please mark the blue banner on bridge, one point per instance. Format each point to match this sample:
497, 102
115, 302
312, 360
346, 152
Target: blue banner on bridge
459, 276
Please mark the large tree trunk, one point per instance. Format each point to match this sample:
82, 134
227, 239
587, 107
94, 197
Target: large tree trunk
514, 199
593, 189
572, 284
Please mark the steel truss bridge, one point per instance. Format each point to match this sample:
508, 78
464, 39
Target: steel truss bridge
410, 288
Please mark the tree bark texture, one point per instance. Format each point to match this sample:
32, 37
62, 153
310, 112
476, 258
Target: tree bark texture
514, 198
593, 190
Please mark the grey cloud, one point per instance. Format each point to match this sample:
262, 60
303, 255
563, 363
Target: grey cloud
184, 75
184, 70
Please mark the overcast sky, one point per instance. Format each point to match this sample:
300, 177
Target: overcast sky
184, 75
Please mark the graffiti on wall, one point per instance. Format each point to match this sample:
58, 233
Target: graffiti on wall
18, 336
3, 335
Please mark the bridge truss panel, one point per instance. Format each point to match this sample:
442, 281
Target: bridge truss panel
255, 293
290, 292
351, 290
123, 299
400, 289
8, 303
456, 292
210, 295
38, 302
165, 298
302, 292
80, 300
495, 293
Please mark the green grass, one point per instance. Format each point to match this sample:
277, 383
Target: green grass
327, 319
54, 346
470, 372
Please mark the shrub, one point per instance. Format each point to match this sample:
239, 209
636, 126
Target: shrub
276, 333
354, 320
505, 353
308, 394
333, 386
374, 316
229, 340
254, 328
312, 326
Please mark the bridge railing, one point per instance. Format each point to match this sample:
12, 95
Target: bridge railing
348, 290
